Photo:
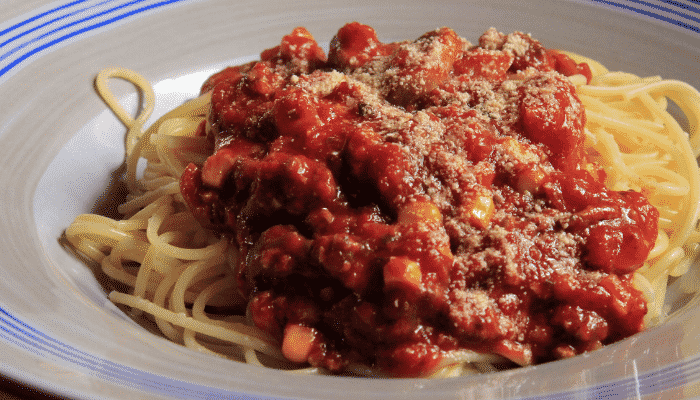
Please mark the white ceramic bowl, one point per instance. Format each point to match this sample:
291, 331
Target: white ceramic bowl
59, 147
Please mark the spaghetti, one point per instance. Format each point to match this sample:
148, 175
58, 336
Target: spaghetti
191, 279
643, 147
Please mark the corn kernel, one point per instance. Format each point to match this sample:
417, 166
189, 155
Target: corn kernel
530, 180
480, 211
298, 342
420, 212
402, 272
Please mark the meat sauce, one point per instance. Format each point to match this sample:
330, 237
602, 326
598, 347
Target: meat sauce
395, 202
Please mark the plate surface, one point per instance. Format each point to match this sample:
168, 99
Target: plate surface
59, 149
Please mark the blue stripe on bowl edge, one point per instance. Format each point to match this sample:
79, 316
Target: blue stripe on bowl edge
35, 45
46, 24
669, 10
685, 24
22, 335
39, 16
685, 15
15, 331
684, 5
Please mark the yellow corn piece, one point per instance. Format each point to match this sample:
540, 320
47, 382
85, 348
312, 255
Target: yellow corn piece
421, 212
402, 272
480, 211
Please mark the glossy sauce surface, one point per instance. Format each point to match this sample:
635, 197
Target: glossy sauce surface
397, 202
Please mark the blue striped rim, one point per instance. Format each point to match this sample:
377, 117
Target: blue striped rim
686, 6
63, 23
22, 335
669, 9
46, 35
682, 12
44, 25
15, 331
39, 16
45, 30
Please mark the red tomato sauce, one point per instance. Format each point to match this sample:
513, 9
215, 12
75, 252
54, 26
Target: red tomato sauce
394, 202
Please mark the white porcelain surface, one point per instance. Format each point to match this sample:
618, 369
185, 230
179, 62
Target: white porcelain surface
59, 146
